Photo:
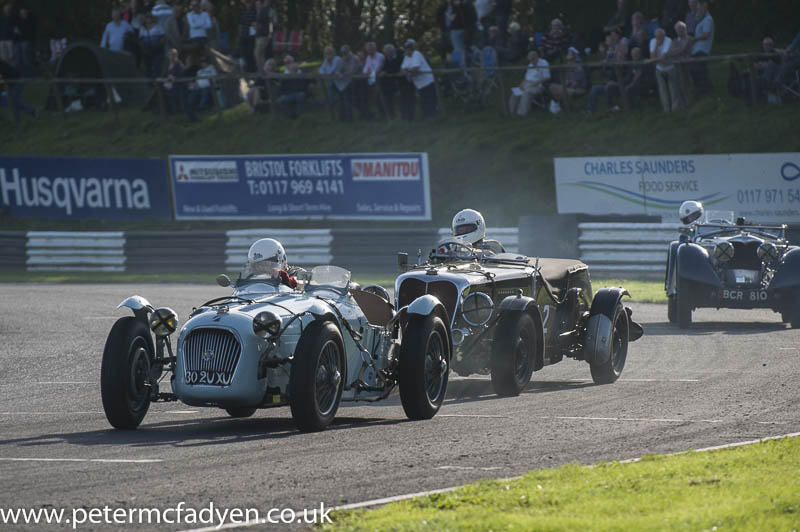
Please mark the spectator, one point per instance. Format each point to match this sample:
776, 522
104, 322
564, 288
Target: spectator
25, 36
134, 15
266, 20
174, 90
574, 78
200, 93
7, 23
533, 84
555, 42
329, 67
517, 42
247, 34
502, 14
766, 70
618, 20
258, 97
791, 61
638, 24
484, 11
634, 84
666, 74
493, 40
419, 71
151, 40
671, 15
162, 11
679, 50
462, 20
348, 66
292, 92
616, 75
116, 30
641, 40
443, 20
8, 79
691, 17
213, 32
177, 29
701, 47
199, 23
373, 65
388, 79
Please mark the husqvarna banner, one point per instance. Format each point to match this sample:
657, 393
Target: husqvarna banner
84, 188
762, 187
372, 186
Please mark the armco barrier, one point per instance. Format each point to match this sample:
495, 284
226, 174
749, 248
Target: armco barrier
626, 249
12, 250
176, 251
57, 250
375, 250
305, 247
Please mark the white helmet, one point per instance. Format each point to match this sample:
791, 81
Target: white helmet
468, 226
690, 211
266, 249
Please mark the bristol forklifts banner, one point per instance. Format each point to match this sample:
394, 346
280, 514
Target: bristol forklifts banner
373, 186
762, 187
84, 188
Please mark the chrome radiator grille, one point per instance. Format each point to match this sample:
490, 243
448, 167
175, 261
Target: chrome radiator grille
210, 356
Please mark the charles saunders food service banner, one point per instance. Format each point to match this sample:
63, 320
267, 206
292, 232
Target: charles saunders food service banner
761, 187
374, 186
84, 188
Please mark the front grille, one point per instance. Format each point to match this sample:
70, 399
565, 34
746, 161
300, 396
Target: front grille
445, 291
210, 356
745, 256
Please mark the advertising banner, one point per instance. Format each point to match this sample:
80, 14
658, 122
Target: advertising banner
374, 186
761, 187
84, 188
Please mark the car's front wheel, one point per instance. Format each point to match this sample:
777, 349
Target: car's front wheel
424, 366
672, 308
513, 353
610, 370
125, 373
317, 378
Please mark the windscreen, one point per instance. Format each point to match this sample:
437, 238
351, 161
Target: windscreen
332, 276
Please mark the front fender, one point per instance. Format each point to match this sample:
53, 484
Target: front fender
425, 306
599, 328
694, 264
527, 304
140, 307
787, 274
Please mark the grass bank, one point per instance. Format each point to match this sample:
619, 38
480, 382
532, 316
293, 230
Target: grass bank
743, 489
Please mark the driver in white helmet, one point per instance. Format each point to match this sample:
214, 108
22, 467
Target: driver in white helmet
690, 212
469, 228
267, 256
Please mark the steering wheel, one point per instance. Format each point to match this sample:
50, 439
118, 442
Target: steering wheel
453, 250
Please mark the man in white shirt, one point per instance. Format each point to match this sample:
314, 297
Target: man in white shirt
536, 78
666, 73
114, 35
419, 72
199, 22
367, 88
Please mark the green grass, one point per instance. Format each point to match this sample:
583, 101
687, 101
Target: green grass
747, 488
502, 166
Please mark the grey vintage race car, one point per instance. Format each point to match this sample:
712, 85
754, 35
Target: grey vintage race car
268, 345
511, 315
722, 263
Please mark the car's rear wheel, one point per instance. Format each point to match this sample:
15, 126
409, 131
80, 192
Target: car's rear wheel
317, 378
513, 353
683, 304
672, 309
610, 370
125, 373
424, 366
241, 412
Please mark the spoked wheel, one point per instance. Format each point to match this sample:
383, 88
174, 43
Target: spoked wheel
513, 353
609, 371
317, 377
125, 373
424, 367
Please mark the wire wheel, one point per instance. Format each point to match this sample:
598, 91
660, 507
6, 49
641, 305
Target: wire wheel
328, 376
435, 367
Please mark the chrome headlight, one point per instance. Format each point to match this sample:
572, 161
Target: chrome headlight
266, 323
768, 252
163, 321
723, 252
477, 309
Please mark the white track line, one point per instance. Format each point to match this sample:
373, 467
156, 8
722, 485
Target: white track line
97, 460
398, 498
652, 420
473, 415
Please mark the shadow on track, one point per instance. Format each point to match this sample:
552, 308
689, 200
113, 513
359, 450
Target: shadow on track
699, 328
474, 390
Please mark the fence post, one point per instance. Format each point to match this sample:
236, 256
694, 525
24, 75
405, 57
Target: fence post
271, 92
214, 96
57, 98
753, 86
439, 99
162, 107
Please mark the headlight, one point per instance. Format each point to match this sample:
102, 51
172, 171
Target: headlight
724, 251
266, 323
163, 321
477, 309
768, 252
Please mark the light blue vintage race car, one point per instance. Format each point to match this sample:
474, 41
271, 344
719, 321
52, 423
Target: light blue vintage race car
268, 345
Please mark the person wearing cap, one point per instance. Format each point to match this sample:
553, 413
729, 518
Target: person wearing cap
419, 72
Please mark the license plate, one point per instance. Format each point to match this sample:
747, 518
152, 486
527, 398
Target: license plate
212, 378
744, 295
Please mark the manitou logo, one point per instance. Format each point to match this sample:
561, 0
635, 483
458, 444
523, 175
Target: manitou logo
385, 169
70, 193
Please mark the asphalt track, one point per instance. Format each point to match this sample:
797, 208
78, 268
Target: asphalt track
734, 376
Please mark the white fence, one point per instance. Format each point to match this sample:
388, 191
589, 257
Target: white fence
305, 247
508, 236
55, 250
637, 249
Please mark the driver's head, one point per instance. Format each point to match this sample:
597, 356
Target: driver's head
690, 211
468, 227
264, 254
